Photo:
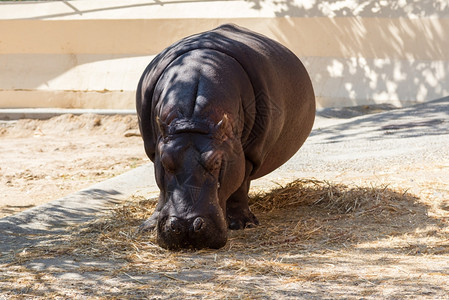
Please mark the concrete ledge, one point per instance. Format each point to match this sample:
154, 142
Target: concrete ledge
45, 113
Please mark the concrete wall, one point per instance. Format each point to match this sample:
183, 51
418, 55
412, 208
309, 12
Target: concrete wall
90, 54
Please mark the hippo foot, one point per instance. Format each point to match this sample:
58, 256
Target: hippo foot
150, 224
241, 219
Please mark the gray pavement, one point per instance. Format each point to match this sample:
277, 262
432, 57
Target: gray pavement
355, 144
343, 140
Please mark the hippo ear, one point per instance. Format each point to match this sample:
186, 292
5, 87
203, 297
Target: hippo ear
163, 128
223, 129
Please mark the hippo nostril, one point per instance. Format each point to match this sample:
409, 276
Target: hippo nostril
174, 225
198, 224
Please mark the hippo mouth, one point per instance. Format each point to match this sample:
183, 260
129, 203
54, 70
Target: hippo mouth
175, 233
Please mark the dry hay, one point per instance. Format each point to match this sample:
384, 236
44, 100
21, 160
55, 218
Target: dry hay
337, 198
115, 236
305, 225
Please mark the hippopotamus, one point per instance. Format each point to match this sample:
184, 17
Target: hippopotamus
216, 110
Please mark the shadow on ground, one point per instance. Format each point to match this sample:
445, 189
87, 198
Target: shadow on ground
429, 119
47, 222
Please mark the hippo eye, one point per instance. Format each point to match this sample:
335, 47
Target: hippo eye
213, 162
216, 164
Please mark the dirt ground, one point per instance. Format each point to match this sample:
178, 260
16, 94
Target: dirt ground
43, 160
355, 235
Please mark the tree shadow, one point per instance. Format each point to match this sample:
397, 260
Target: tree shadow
366, 8
378, 53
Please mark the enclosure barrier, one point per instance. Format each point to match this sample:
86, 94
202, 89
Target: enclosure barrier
90, 54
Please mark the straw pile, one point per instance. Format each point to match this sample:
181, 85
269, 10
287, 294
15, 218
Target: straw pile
341, 237
337, 198
283, 222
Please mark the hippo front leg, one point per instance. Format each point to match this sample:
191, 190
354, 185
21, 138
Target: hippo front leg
238, 214
150, 223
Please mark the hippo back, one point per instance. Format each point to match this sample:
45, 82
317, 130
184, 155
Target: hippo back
276, 122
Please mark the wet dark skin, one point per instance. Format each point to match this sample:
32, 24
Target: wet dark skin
217, 110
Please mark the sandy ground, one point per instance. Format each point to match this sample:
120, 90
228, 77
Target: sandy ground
43, 160
393, 242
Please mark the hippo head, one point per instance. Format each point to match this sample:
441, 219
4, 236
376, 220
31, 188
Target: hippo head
198, 165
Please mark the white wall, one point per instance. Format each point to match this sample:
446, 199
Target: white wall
90, 54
